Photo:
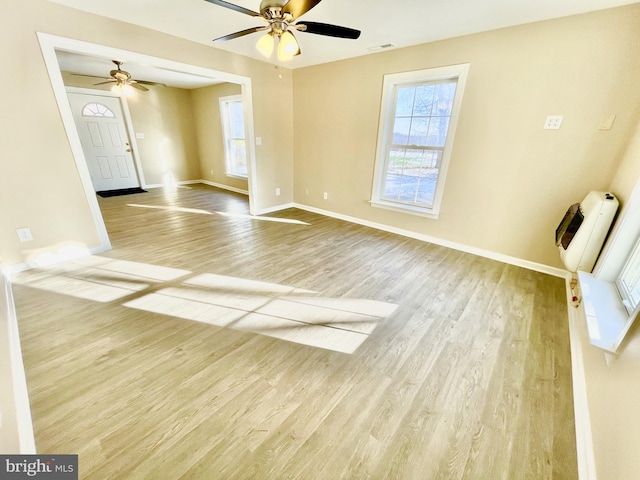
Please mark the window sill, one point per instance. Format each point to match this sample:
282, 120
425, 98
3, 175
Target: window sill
408, 209
607, 319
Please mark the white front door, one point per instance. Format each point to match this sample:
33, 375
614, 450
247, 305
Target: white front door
107, 149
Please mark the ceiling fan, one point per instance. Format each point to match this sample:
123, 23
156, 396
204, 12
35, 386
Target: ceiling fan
280, 16
121, 78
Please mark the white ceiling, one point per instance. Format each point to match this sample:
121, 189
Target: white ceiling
399, 22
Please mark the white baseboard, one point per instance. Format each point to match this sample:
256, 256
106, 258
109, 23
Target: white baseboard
584, 438
518, 262
276, 208
217, 185
21, 410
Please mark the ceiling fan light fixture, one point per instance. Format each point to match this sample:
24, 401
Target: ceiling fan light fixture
287, 46
265, 44
122, 89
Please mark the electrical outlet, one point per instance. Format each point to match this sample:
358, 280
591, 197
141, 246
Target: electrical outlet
325, 195
258, 141
211, 171
277, 192
306, 191
553, 122
24, 234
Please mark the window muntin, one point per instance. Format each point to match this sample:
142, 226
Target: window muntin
417, 124
231, 111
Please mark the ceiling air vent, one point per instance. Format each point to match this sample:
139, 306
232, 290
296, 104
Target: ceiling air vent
377, 48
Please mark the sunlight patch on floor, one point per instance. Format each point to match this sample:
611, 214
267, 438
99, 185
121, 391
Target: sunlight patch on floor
266, 219
97, 278
224, 214
270, 309
172, 209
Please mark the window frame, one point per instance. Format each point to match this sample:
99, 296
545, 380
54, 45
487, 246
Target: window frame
391, 83
629, 293
223, 103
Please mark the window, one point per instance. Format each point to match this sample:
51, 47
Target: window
231, 112
628, 282
418, 119
96, 110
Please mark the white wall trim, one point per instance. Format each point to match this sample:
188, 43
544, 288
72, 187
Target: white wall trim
518, 262
26, 440
584, 438
219, 185
48, 45
277, 208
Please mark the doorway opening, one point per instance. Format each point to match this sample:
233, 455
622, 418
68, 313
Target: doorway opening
52, 45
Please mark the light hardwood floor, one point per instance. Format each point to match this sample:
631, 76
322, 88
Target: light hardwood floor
468, 378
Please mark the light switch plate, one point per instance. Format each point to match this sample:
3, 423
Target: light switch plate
553, 122
607, 122
24, 234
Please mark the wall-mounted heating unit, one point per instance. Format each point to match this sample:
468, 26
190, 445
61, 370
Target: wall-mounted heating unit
583, 230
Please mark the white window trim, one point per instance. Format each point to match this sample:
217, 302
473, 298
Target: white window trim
222, 101
391, 81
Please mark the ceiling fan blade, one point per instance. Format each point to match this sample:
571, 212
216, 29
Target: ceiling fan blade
138, 86
329, 30
85, 75
297, 8
242, 33
146, 82
232, 6
104, 83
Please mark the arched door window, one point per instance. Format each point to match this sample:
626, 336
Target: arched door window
96, 110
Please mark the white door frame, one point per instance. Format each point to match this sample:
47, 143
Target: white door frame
49, 43
128, 124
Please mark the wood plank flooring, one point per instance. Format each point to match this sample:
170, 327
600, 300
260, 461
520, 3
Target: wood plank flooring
468, 378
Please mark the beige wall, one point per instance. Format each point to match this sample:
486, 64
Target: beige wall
40, 186
169, 150
208, 128
509, 181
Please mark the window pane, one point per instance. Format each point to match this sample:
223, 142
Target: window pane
401, 131
96, 110
428, 177
235, 145
419, 131
444, 98
238, 155
411, 176
396, 160
404, 102
424, 100
438, 131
